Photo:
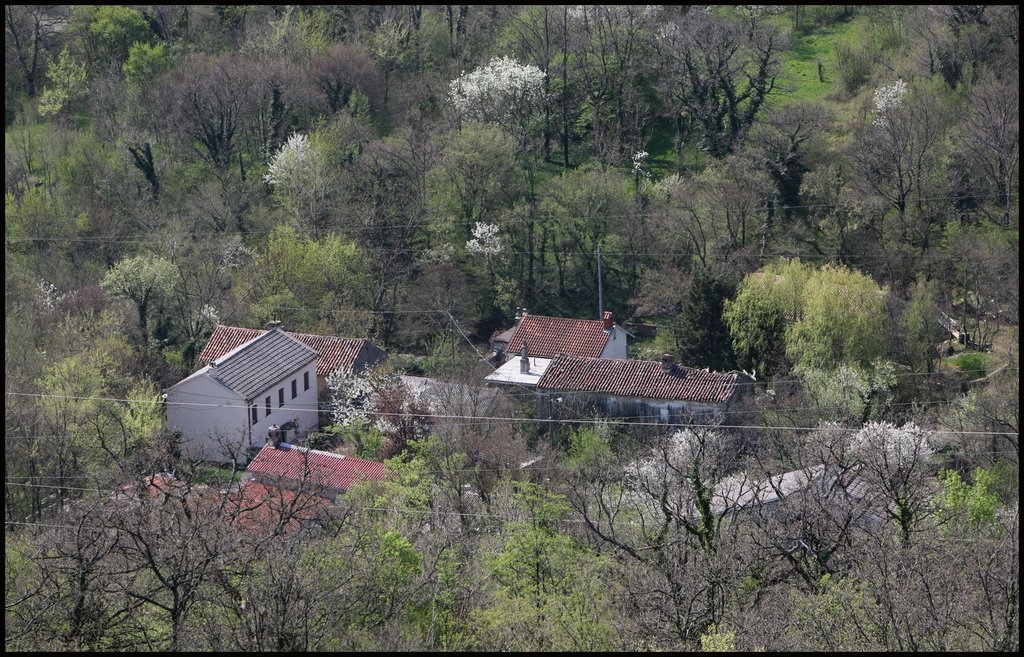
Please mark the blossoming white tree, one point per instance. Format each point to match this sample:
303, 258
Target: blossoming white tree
302, 181
894, 462
504, 92
485, 239
887, 99
352, 397
498, 91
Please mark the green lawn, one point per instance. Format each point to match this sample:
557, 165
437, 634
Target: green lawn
799, 80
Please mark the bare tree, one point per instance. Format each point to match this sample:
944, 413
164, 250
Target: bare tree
717, 75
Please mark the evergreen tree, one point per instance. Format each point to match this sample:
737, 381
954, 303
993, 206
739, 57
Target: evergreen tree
701, 335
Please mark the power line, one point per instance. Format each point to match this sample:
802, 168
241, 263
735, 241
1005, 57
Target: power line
479, 419
536, 218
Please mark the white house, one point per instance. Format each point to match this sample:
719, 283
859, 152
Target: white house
228, 406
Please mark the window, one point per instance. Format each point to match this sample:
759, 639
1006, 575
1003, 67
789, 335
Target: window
268, 406
255, 413
305, 380
295, 389
280, 397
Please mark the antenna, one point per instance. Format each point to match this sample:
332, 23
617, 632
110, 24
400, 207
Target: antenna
600, 289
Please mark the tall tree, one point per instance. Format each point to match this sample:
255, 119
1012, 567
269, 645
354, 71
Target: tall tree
701, 334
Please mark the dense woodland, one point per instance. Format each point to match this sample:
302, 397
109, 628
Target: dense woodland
813, 194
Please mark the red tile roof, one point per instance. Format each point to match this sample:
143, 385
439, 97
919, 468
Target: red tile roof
637, 378
547, 336
312, 468
259, 507
333, 352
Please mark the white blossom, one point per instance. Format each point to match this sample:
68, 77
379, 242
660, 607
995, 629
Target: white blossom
888, 99
47, 294
640, 164
291, 162
235, 255
485, 239
352, 397
208, 316
497, 90
900, 446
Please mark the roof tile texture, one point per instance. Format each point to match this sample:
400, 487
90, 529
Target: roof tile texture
637, 378
333, 352
260, 363
313, 468
547, 336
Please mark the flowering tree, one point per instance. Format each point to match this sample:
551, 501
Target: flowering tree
504, 92
894, 461
499, 91
352, 397
485, 239
640, 167
146, 281
887, 99
302, 180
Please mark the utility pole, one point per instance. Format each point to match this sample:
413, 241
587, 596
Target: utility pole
600, 289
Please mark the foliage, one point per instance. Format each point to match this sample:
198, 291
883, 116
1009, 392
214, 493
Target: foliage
976, 501
972, 365
67, 84
111, 31
715, 641
842, 320
320, 274
414, 174
548, 593
145, 64
701, 332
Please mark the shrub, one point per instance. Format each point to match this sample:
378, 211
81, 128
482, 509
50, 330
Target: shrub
972, 365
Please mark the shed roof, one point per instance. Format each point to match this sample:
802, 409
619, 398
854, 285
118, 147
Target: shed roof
637, 378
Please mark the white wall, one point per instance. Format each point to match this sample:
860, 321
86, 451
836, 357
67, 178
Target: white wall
303, 407
207, 415
616, 347
204, 427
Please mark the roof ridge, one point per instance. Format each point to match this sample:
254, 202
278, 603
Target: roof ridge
252, 344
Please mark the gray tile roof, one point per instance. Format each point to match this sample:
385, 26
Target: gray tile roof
260, 363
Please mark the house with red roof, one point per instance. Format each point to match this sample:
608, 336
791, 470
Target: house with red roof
536, 339
333, 353
639, 389
229, 406
313, 471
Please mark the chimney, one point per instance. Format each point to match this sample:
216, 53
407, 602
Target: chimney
667, 363
524, 361
608, 321
273, 436
274, 324
520, 314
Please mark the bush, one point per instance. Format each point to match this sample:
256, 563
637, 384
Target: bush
972, 365
853, 62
